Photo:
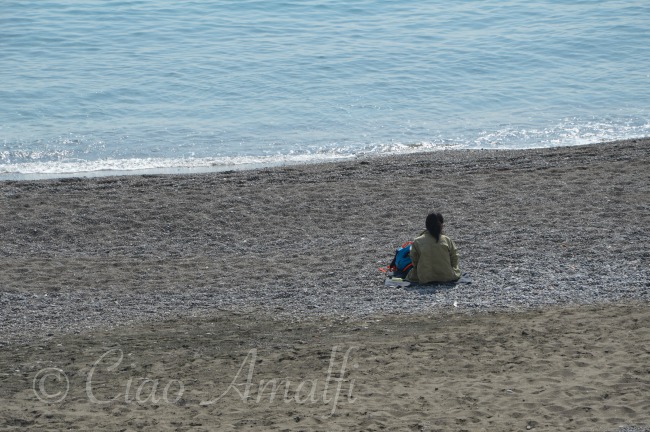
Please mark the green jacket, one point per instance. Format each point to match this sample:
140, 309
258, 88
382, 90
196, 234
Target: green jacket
433, 261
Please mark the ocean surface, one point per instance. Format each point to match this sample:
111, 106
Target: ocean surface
166, 86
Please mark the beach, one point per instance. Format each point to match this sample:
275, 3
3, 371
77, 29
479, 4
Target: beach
166, 302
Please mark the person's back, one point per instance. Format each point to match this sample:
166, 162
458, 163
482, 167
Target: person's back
434, 255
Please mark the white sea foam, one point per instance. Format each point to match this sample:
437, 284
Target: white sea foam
566, 133
66, 167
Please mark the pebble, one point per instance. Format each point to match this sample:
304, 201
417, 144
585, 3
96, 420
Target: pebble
532, 237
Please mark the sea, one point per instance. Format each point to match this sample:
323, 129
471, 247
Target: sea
114, 86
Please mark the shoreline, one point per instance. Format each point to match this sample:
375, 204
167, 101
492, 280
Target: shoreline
211, 168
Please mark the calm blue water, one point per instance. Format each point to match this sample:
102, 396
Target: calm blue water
121, 85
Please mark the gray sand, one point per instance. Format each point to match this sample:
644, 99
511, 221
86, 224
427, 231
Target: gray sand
534, 228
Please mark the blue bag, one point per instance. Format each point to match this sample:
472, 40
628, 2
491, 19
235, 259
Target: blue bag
401, 264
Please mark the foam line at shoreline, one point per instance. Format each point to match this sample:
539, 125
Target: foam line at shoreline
184, 166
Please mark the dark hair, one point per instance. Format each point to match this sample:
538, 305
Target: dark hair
434, 224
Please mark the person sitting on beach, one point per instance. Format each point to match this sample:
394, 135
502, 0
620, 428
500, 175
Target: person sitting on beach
433, 254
